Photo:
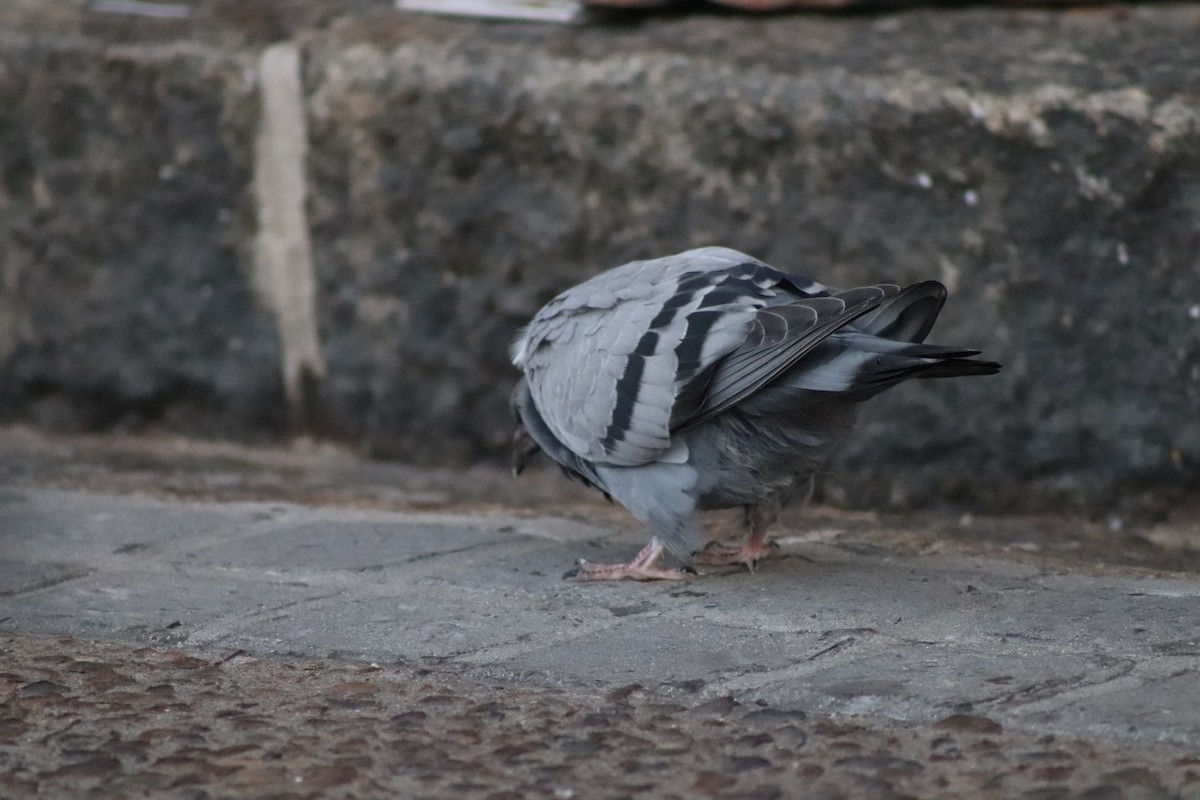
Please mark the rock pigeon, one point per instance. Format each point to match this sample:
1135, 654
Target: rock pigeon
709, 380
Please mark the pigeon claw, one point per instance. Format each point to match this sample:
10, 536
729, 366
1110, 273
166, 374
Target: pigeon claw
719, 554
643, 567
588, 571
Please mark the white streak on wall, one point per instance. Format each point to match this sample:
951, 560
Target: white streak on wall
283, 262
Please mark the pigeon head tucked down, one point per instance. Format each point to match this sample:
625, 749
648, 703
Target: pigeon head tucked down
709, 380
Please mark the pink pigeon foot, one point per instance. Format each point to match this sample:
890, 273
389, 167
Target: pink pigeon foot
643, 567
719, 554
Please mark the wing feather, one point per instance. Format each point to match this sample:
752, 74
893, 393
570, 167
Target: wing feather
787, 334
605, 360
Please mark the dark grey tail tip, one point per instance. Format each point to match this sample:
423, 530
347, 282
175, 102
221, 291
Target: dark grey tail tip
958, 368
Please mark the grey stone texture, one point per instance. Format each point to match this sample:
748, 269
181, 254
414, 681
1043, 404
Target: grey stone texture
124, 299
1045, 166
837, 626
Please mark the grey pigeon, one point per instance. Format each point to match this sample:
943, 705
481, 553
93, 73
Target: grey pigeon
709, 380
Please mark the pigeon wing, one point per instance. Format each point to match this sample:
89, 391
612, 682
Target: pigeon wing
609, 361
779, 337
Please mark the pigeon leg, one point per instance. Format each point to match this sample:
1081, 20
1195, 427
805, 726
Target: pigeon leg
643, 567
755, 549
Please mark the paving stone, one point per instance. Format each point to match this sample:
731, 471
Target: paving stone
927, 682
414, 626
669, 652
1157, 702
143, 605
840, 627
20, 576
351, 546
74, 526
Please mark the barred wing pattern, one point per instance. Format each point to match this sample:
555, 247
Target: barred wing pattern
618, 363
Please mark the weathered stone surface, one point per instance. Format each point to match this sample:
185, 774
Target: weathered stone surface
841, 626
1045, 166
111, 720
124, 302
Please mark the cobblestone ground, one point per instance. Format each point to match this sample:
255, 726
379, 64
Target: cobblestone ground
86, 720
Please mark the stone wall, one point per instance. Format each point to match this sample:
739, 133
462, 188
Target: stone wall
1045, 166
125, 301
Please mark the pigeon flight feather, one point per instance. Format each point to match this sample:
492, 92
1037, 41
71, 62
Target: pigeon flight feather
709, 380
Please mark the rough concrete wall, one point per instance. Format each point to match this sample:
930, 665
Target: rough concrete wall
1046, 167
460, 184
124, 301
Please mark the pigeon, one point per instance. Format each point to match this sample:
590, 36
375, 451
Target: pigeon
709, 380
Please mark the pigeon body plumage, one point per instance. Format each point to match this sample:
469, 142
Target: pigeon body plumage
709, 380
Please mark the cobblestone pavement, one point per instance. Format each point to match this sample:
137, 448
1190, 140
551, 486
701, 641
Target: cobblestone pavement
85, 720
